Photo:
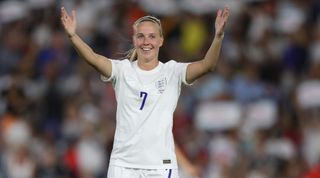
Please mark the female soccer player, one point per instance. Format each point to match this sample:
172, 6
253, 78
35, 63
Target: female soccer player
147, 92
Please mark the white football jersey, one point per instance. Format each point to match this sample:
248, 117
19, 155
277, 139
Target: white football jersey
146, 101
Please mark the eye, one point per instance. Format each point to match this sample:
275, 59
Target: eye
152, 36
139, 36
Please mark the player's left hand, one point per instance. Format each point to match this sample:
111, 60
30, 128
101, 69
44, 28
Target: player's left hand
221, 20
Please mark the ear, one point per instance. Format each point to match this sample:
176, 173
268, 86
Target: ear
161, 41
133, 40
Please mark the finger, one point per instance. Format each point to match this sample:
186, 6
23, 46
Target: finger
61, 12
63, 20
226, 10
64, 13
219, 13
73, 15
226, 13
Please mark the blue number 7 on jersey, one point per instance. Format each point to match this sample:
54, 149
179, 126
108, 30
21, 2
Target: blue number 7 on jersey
143, 95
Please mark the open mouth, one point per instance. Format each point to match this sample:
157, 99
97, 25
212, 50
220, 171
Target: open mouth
146, 49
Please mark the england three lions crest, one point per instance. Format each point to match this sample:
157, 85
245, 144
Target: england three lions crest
161, 85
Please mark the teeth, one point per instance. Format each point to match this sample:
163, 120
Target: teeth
146, 49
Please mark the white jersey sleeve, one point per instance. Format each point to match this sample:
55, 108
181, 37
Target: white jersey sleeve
181, 70
115, 67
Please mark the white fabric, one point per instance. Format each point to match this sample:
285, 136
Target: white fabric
90, 156
260, 115
217, 116
163, 7
12, 10
209, 6
143, 137
122, 172
308, 94
18, 134
290, 17
281, 148
39, 4
19, 165
311, 145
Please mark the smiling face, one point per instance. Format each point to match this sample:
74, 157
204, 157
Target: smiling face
147, 40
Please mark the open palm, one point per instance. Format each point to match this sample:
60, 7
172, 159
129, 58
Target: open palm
69, 22
221, 20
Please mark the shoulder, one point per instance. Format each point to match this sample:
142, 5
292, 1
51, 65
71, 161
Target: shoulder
175, 64
121, 63
170, 63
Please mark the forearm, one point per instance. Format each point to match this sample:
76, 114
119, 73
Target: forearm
212, 56
83, 50
182, 160
100, 63
207, 64
185, 163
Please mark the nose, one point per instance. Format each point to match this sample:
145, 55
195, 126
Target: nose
145, 41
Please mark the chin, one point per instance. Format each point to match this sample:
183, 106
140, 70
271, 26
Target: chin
147, 57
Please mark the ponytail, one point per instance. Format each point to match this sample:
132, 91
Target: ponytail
132, 54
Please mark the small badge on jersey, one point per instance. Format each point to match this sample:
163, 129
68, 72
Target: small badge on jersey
166, 161
161, 85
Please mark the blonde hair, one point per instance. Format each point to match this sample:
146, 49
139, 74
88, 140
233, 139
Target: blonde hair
132, 53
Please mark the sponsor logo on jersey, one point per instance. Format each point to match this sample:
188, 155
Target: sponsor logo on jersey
166, 161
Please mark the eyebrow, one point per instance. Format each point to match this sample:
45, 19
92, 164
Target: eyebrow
146, 34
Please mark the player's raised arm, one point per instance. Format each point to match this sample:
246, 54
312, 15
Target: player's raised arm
207, 64
100, 63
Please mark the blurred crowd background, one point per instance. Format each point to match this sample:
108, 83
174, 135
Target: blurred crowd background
256, 116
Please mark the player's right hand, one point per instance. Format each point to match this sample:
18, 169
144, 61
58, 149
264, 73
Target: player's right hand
69, 22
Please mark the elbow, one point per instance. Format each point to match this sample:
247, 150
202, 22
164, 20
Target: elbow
208, 65
213, 68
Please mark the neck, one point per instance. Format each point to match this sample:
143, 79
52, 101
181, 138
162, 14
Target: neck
148, 64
